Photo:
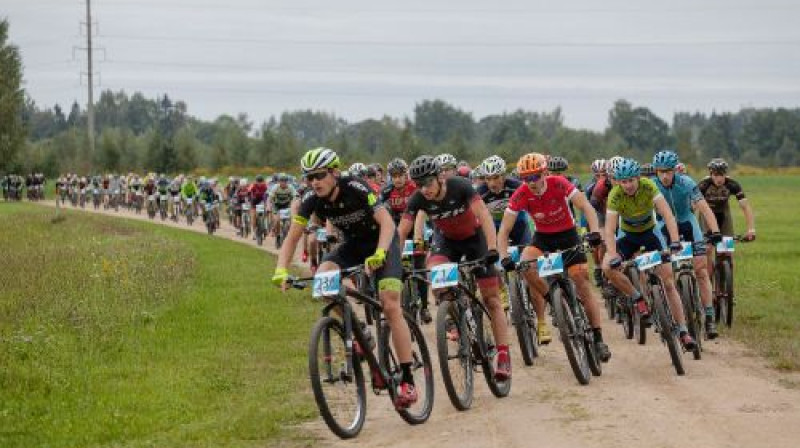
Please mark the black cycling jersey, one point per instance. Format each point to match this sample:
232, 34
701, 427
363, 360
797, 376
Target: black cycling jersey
453, 214
717, 197
351, 212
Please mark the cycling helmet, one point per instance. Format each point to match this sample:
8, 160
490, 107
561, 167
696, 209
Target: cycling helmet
718, 166
665, 160
680, 168
531, 163
493, 166
557, 164
424, 166
319, 158
446, 161
397, 166
626, 169
283, 177
612, 163
358, 169
599, 166
260, 178
463, 171
243, 181
371, 171
647, 170
377, 167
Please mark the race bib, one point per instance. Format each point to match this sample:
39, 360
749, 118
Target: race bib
260, 208
550, 265
246, 206
284, 213
648, 260
444, 275
327, 284
726, 245
686, 252
176, 199
163, 197
151, 198
188, 201
408, 248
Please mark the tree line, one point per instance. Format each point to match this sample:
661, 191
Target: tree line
135, 133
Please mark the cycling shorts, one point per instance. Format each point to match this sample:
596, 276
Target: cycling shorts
553, 242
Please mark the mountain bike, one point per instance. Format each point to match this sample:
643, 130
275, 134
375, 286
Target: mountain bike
283, 226
686, 283
523, 316
335, 361
411, 299
189, 211
260, 229
162, 205
210, 217
465, 343
722, 279
245, 229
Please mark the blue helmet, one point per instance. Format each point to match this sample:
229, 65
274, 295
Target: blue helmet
626, 169
665, 160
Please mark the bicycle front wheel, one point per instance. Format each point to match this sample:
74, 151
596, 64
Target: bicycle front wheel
667, 329
455, 355
420, 411
571, 336
524, 322
694, 318
488, 351
338, 388
725, 299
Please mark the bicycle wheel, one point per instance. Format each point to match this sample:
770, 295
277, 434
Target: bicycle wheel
523, 320
420, 411
627, 312
488, 351
455, 355
667, 328
409, 301
571, 336
340, 395
725, 311
693, 317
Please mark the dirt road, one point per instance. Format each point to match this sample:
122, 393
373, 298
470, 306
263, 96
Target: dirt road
730, 398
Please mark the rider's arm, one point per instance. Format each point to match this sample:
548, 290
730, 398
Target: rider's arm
404, 227
708, 216
419, 225
485, 219
386, 223
610, 236
663, 209
506, 225
748, 215
586, 208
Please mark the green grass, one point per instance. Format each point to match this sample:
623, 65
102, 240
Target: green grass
767, 284
119, 333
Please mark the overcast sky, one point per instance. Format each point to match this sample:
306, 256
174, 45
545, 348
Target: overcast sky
362, 59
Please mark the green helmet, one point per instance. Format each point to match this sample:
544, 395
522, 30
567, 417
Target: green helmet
319, 158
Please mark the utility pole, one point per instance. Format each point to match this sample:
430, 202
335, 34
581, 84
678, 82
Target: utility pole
90, 75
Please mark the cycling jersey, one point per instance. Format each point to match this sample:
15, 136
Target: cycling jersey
717, 196
396, 199
257, 192
282, 197
636, 212
550, 210
452, 215
680, 196
599, 198
497, 203
189, 190
207, 194
351, 212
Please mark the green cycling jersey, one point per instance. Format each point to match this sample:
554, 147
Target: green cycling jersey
637, 212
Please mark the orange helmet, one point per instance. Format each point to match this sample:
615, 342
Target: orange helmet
532, 163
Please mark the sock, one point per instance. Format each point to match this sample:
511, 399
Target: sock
407, 376
502, 348
598, 334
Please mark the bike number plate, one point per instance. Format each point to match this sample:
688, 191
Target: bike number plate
550, 265
326, 284
726, 245
246, 206
514, 253
163, 198
648, 260
686, 252
96, 191
444, 275
176, 199
408, 248
209, 207
260, 208
188, 201
322, 235
151, 198
284, 213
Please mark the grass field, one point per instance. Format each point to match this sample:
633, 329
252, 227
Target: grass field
117, 333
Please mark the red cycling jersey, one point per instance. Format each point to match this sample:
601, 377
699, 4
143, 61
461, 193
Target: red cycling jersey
550, 210
257, 191
397, 199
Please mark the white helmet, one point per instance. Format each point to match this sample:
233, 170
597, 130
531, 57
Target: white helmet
358, 169
446, 160
612, 163
599, 166
493, 166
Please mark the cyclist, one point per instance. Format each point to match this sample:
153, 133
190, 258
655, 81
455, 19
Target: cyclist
465, 229
546, 199
683, 196
208, 195
597, 192
370, 237
632, 201
174, 190
379, 178
717, 188
280, 198
163, 189
395, 196
447, 164
258, 193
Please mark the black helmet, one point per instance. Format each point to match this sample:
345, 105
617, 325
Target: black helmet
423, 166
557, 164
647, 169
260, 178
370, 171
718, 165
397, 166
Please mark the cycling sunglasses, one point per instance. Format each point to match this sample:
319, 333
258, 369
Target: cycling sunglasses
317, 176
532, 177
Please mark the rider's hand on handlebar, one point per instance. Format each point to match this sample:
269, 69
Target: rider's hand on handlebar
492, 256
594, 239
280, 277
715, 237
750, 236
615, 262
675, 247
508, 264
376, 260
